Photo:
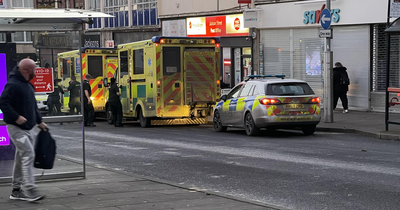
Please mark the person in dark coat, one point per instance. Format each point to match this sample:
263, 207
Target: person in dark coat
74, 96
18, 104
88, 104
341, 84
115, 103
54, 99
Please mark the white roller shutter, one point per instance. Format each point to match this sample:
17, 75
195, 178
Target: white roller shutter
299, 54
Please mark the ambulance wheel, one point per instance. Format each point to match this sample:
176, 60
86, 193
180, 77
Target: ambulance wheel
217, 123
144, 121
251, 128
308, 130
109, 116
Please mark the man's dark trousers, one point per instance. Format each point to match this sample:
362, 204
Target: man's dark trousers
116, 109
74, 103
89, 113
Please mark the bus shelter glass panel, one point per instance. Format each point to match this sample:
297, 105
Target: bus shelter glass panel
50, 92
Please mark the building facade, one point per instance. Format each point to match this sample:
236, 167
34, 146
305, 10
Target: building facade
290, 44
135, 20
210, 18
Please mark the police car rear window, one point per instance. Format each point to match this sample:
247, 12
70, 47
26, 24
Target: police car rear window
289, 89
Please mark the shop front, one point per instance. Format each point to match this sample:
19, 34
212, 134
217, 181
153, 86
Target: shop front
236, 45
292, 46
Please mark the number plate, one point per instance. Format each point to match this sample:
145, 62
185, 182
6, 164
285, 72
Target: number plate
294, 106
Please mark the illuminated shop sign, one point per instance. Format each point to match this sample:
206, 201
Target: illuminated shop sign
4, 139
313, 17
229, 25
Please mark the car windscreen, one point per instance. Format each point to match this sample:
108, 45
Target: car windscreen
289, 89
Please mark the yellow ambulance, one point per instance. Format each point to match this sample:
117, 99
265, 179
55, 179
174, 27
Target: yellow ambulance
169, 80
99, 63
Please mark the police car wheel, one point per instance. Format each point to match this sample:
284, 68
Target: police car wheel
251, 128
308, 130
217, 123
109, 116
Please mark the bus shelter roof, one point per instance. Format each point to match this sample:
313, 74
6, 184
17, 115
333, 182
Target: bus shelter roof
46, 19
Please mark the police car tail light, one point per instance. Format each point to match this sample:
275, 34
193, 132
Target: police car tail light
269, 101
315, 100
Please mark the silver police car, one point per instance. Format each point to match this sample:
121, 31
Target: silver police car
268, 101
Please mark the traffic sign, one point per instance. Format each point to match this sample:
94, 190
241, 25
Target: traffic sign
325, 33
326, 19
43, 80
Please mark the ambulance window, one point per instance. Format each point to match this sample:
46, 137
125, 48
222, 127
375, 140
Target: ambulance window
171, 60
95, 66
124, 63
66, 68
139, 64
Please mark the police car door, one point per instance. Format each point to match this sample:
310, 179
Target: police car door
240, 104
229, 106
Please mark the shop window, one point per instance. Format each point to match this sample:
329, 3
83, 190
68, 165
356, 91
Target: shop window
139, 64
95, 66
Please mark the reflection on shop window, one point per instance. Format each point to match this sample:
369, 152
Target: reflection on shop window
314, 56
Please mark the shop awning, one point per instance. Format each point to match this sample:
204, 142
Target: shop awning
394, 27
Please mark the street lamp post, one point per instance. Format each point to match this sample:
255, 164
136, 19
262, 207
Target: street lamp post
328, 77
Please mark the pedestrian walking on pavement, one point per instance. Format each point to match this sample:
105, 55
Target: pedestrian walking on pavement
115, 103
89, 109
341, 84
53, 100
74, 89
21, 114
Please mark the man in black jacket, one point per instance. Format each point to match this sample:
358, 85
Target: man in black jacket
88, 104
115, 103
21, 114
341, 84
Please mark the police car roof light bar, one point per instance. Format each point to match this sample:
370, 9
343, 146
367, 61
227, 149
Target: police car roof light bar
269, 75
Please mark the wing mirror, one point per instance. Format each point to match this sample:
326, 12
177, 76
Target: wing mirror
223, 97
105, 82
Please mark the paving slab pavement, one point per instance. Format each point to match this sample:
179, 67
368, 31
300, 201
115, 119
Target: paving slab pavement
364, 123
108, 190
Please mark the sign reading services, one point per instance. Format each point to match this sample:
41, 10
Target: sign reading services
229, 25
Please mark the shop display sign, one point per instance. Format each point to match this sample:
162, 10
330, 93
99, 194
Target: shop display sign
314, 17
229, 25
174, 28
4, 138
252, 18
394, 8
3, 4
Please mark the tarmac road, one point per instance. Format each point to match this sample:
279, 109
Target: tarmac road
286, 168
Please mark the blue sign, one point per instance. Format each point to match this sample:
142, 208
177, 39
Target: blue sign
149, 62
78, 65
326, 19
